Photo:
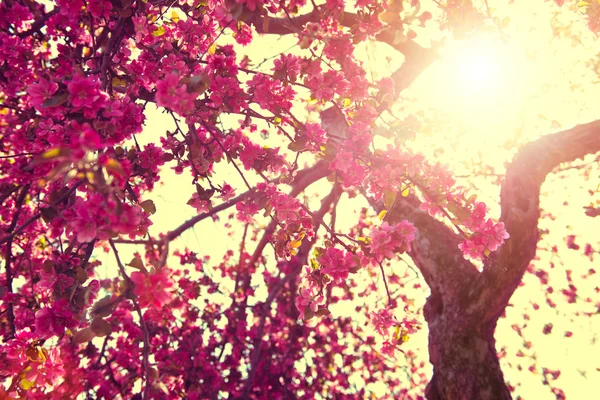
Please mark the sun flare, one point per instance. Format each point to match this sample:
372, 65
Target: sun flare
481, 74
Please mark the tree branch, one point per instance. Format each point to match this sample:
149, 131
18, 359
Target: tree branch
417, 58
434, 251
303, 179
520, 198
136, 307
300, 260
37, 216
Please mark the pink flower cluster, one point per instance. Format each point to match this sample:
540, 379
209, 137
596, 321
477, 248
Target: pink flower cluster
97, 217
388, 240
172, 94
40, 366
337, 263
391, 330
84, 93
309, 298
152, 290
486, 235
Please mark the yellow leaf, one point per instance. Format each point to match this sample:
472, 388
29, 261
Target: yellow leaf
295, 243
36, 354
114, 166
42, 244
50, 154
212, 49
314, 265
364, 240
174, 17
405, 192
26, 385
382, 215
159, 31
347, 103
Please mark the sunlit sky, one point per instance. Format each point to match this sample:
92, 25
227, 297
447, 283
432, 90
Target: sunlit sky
484, 96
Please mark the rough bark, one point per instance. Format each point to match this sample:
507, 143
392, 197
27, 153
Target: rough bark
465, 304
465, 363
462, 353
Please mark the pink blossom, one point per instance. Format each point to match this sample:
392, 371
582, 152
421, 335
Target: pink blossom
383, 320
387, 240
309, 298
50, 280
337, 263
168, 91
54, 319
84, 229
496, 235
245, 211
99, 8
152, 289
41, 91
477, 217
201, 206
227, 192
472, 249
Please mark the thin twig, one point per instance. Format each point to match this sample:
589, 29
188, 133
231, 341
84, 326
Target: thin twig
38, 215
390, 301
136, 307
8, 257
301, 259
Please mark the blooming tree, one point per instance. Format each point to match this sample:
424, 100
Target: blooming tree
78, 78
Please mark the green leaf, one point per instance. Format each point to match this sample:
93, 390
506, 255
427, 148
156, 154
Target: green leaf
48, 214
389, 197
83, 335
103, 307
81, 275
137, 263
308, 313
322, 312
148, 206
55, 101
204, 194
100, 327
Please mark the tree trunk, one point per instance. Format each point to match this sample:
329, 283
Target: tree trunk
465, 363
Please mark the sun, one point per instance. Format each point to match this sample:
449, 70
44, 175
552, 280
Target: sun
477, 69
477, 81
479, 75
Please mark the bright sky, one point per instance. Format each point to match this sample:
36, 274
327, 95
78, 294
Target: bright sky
484, 96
